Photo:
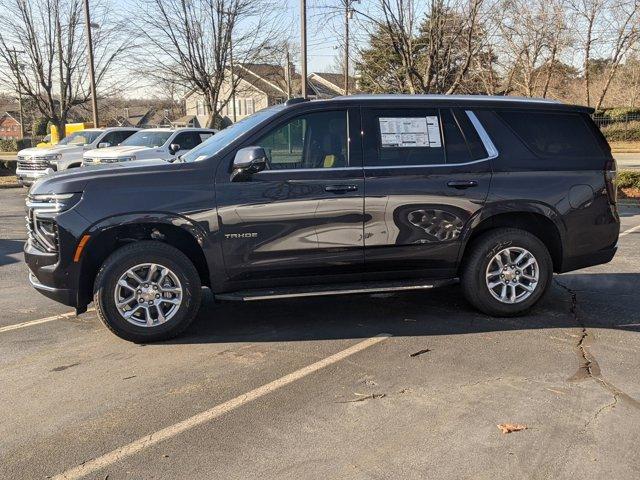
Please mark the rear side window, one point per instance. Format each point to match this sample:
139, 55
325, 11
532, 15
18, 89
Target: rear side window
551, 134
461, 138
407, 138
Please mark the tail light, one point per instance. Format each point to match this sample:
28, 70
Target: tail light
610, 176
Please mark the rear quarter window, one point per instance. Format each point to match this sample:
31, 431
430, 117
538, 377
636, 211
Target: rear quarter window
553, 134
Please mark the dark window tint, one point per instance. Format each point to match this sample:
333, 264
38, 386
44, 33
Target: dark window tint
457, 150
550, 134
187, 140
117, 137
314, 140
407, 138
476, 147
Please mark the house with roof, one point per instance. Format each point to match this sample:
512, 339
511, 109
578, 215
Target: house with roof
10, 126
258, 86
329, 85
140, 117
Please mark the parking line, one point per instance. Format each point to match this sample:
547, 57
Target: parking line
31, 323
147, 441
630, 230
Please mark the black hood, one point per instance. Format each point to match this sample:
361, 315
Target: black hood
77, 179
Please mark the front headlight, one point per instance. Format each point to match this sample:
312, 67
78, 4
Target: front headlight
53, 202
53, 158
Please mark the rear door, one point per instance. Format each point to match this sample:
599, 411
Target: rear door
427, 172
302, 217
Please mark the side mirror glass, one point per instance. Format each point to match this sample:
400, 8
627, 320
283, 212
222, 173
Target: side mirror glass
174, 147
248, 160
104, 145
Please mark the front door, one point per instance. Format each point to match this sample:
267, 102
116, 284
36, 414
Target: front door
303, 215
427, 172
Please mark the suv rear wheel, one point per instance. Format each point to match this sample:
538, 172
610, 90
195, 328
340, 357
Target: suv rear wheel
147, 291
507, 272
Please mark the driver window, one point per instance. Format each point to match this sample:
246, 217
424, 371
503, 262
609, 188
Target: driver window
314, 140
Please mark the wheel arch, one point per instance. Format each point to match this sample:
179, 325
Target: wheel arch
542, 222
115, 232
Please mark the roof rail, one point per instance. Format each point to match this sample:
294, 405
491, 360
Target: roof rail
293, 101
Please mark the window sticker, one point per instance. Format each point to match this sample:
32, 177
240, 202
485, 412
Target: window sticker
410, 132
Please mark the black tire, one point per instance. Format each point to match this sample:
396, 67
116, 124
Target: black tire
483, 249
138, 253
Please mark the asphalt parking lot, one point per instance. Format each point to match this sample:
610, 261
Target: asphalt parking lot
309, 389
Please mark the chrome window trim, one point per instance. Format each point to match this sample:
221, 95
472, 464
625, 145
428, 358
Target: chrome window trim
491, 149
492, 152
319, 169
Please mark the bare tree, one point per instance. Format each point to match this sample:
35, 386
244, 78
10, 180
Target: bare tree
44, 53
193, 42
533, 35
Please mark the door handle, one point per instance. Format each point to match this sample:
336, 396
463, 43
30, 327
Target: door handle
462, 184
340, 188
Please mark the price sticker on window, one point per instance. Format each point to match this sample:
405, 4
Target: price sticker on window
402, 132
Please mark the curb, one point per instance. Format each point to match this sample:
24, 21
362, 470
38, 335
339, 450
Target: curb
10, 185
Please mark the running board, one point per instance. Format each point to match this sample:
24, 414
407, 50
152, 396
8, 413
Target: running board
342, 289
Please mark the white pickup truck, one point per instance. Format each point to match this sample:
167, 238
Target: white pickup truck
34, 163
156, 143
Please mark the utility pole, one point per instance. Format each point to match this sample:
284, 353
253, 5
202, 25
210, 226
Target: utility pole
92, 77
287, 73
347, 15
233, 83
303, 45
14, 54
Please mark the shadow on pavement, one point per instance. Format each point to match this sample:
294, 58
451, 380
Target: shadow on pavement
10, 247
604, 301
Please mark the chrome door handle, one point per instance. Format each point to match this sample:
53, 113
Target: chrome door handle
462, 184
340, 188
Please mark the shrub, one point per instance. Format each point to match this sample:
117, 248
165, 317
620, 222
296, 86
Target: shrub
620, 113
617, 132
629, 179
14, 145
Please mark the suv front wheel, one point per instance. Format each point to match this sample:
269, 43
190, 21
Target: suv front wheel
147, 291
507, 272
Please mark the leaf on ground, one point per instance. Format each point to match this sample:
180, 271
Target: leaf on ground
511, 427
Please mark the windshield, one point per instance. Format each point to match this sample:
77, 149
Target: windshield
147, 139
83, 137
224, 137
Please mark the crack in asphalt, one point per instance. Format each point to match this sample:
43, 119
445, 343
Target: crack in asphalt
589, 368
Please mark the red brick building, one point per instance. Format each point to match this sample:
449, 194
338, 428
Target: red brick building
10, 126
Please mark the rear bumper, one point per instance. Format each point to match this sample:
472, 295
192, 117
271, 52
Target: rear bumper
596, 258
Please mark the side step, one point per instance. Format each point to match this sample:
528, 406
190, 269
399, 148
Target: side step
341, 289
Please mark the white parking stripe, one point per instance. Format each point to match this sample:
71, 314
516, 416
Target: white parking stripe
630, 230
31, 323
147, 441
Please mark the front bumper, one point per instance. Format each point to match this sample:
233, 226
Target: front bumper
28, 177
61, 295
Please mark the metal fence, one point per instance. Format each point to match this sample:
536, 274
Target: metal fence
619, 128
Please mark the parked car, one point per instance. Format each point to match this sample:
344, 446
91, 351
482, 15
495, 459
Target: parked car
163, 143
349, 195
37, 162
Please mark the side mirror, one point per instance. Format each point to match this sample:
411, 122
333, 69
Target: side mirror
248, 160
104, 145
173, 148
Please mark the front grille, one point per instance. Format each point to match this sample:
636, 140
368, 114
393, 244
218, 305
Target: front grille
33, 165
42, 230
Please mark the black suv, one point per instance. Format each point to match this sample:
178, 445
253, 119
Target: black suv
349, 195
